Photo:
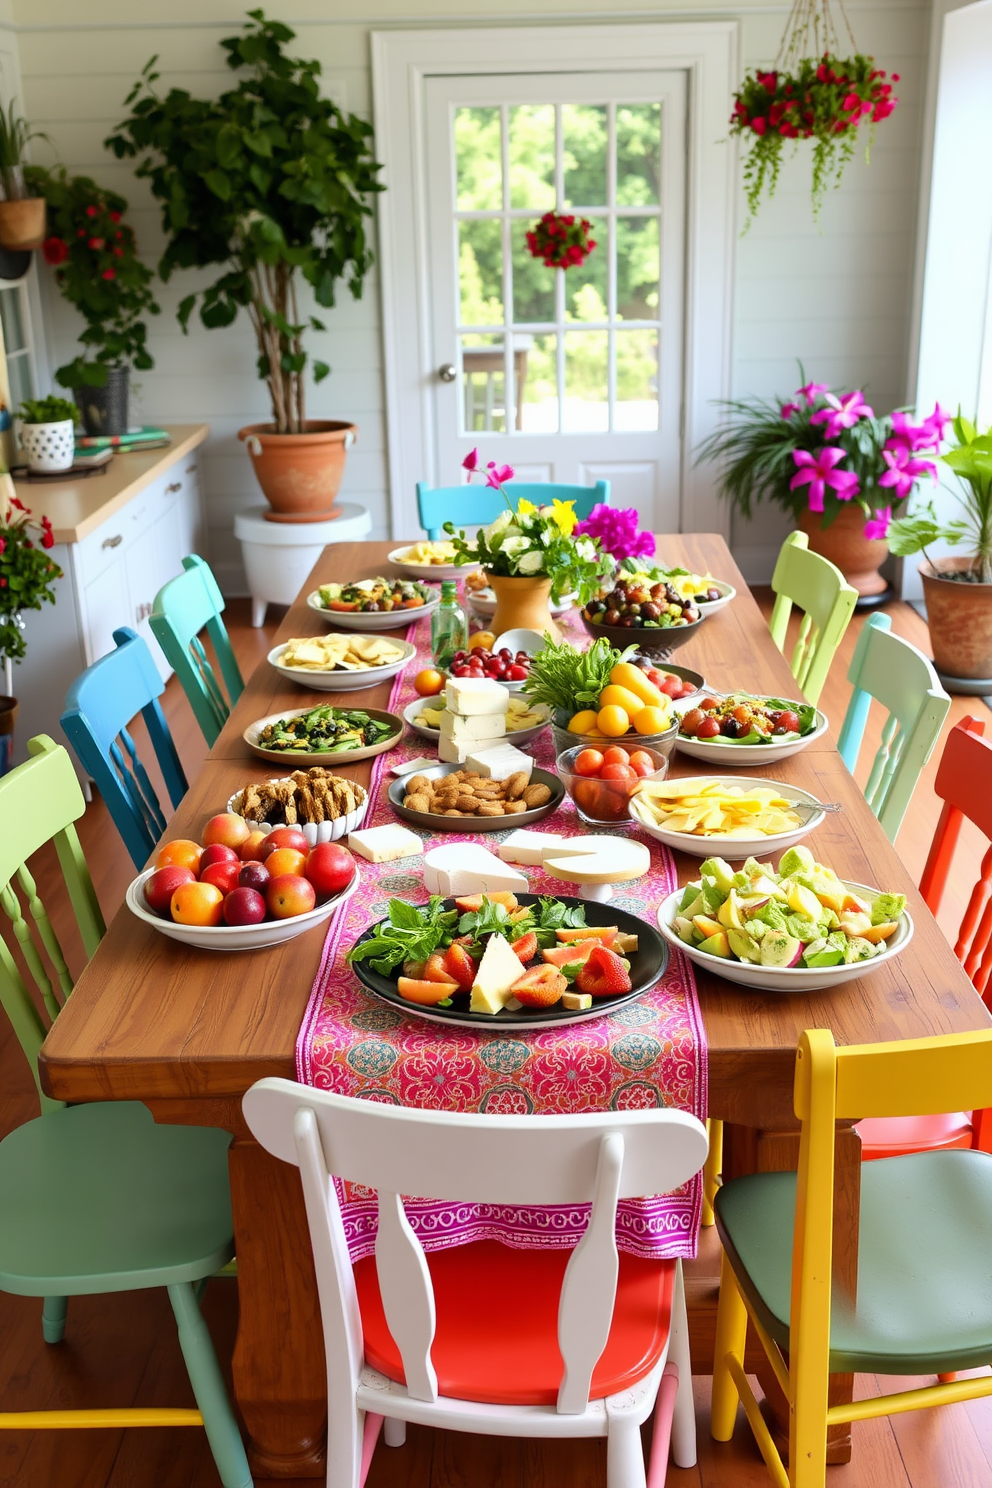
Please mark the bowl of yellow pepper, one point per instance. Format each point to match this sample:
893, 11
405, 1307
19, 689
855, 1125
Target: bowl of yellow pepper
630, 706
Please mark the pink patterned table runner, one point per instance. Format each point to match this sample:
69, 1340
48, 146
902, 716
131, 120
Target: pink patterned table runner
651, 1052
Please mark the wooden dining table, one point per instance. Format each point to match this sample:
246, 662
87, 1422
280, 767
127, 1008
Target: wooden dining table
188, 1032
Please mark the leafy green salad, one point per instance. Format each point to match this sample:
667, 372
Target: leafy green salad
326, 730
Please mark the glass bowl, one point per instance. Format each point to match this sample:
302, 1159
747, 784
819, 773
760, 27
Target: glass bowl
663, 743
606, 802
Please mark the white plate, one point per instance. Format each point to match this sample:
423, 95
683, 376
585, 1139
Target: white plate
731, 847
521, 736
720, 751
363, 620
234, 937
483, 603
430, 570
341, 681
314, 832
784, 978
727, 594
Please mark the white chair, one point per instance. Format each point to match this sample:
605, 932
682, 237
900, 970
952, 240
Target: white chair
476, 1344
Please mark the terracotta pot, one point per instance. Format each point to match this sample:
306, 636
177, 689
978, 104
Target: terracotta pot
8, 717
845, 545
960, 619
22, 223
522, 603
300, 473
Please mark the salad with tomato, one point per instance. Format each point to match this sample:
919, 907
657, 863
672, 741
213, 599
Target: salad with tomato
742, 719
374, 596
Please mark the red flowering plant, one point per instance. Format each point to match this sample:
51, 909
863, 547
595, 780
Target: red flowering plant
93, 252
27, 574
562, 241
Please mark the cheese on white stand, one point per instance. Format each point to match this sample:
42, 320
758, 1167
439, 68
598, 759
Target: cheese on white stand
383, 844
474, 695
500, 762
498, 970
606, 860
529, 848
467, 868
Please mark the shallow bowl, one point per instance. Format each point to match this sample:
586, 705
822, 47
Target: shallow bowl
730, 847
234, 937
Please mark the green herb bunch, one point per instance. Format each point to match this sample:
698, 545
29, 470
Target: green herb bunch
565, 678
50, 410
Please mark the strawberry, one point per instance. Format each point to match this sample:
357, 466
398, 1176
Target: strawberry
435, 969
459, 966
540, 987
603, 975
526, 947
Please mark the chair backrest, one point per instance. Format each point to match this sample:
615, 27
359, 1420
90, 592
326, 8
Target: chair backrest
827, 600
99, 706
475, 506
466, 1158
39, 802
183, 607
902, 679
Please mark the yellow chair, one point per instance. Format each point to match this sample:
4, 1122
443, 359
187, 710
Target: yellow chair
827, 600
924, 1301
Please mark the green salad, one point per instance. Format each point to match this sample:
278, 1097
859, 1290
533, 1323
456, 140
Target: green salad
326, 730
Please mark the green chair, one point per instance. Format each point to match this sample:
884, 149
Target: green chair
892, 671
99, 1198
820, 590
183, 607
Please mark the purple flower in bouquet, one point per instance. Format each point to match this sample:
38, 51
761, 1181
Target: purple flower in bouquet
617, 531
877, 525
904, 470
819, 472
842, 413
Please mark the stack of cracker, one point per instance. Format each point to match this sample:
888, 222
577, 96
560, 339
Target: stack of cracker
474, 717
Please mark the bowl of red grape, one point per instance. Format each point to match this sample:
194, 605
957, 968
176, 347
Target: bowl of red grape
739, 729
653, 616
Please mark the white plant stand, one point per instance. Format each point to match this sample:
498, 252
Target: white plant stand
279, 555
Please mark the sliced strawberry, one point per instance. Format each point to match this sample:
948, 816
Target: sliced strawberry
603, 975
472, 902
564, 955
435, 969
603, 933
426, 993
526, 947
540, 987
459, 965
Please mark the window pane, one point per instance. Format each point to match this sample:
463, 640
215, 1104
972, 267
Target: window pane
637, 381
638, 263
586, 284
532, 156
20, 379
480, 272
533, 284
638, 154
586, 405
478, 160
10, 314
483, 385
536, 375
584, 141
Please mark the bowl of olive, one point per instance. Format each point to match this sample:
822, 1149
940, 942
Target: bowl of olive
655, 617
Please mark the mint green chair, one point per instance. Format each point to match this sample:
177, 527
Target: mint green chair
902, 679
99, 1198
820, 590
183, 607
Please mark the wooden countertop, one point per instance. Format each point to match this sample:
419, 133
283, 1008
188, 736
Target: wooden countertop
77, 507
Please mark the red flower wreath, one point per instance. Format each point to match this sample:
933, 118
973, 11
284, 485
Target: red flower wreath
561, 241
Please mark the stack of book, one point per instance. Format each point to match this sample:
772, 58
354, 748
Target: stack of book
147, 437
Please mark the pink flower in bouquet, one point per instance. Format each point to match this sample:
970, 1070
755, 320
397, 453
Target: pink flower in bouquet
842, 413
877, 525
497, 474
471, 461
819, 472
617, 531
904, 470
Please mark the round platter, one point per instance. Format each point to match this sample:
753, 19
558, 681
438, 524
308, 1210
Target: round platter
433, 822
430, 570
413, 710
733, 848
341, 681
647, 966
302, 758
365, 620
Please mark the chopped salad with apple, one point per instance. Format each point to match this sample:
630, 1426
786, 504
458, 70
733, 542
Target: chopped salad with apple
801, 916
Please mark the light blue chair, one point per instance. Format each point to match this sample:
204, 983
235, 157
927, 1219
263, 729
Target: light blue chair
474, 506
99, 706
183, 607
901, 678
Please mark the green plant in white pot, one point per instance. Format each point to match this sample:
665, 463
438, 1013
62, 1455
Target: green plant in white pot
46, 433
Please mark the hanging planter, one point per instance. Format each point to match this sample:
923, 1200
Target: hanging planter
562, 242
811, 93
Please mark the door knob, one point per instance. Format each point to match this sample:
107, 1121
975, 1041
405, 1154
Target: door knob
447, 371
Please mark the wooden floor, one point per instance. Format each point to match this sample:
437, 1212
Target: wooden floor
123, 1350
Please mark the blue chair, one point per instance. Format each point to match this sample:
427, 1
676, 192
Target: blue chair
183, 607
98, 708
474, 506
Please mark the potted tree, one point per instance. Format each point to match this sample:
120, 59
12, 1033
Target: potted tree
27, 575
22, 212
272, 182
97, 269
958, 591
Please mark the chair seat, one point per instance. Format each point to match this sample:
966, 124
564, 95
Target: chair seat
894, 1136
100, 1198
924, 1301
497, 1323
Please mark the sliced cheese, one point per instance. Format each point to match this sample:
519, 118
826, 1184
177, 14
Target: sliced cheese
500, 761
498, 970
607, 860
530, 848
474, 695
383, 844
475, 728
466, 868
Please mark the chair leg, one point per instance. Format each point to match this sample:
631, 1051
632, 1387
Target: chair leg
624, 1455
684, 1418
53, 1314
258, 609
664, 1410
731, 1333
713, 1168
208, 1387
394, 1432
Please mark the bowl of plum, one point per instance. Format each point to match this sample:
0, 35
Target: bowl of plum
655, 617
739, 729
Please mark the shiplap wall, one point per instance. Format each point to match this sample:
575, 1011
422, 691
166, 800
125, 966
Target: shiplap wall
835, 297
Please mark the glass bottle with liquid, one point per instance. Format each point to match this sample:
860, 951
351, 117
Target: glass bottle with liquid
449, 627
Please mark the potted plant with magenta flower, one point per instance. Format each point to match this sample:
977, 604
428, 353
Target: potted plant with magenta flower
27, 575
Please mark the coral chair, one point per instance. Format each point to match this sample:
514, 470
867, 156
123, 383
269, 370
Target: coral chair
183, 607
924, 1303
474, 506
99, 1198
820, 590
483, 1337
902, 679
99, 706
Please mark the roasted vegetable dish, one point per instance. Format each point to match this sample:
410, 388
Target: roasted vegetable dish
325, 730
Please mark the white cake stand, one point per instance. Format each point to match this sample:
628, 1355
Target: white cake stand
603, 862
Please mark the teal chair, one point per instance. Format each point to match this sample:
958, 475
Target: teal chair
827, 600
99, 706
474, 506
185, 606
99, 1198
892, 671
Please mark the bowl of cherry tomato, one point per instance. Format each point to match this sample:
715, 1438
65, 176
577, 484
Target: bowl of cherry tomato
601, 781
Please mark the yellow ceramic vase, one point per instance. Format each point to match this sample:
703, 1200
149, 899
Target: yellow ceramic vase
522, 603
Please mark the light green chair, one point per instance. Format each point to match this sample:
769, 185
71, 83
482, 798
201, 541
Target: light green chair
99, 1198
820, 590
892, 671
183, 607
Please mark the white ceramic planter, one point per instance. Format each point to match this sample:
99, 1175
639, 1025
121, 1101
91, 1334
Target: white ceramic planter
48, 447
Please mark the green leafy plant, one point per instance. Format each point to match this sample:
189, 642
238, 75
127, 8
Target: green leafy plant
15, 136
566, 679
272, 181
50, 410
27, 574
971, 462
97, 269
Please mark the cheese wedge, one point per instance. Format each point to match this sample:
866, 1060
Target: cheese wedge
473, 729
529, 848
383, 844
500, 761
475, 695
498, 970
466, 868
608, 860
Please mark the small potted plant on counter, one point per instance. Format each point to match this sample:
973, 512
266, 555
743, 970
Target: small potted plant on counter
958, 591
46, 433
27, 576
22, 211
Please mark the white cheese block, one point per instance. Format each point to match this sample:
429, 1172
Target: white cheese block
475, 729
383, 844
453, 751
607, 860
527, 847
500, 761
467, 868
473, 695
408, 767
498, 970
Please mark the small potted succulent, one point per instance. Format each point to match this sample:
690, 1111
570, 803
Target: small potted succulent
22, 211
46, 433
27, 576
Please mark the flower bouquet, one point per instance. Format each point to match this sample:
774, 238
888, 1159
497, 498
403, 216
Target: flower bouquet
561, 241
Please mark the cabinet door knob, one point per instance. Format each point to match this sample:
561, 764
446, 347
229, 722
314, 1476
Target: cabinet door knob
113, 542
172, 487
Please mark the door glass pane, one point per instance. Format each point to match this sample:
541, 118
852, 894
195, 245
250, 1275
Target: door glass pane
586, 406
10, 315
532, 156
586, 284
535, 373
533, 284
638, 154
480, 271
638, 266
637, 381
478, 159
584, 132
483, 385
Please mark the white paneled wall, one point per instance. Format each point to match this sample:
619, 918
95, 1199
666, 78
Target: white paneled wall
835, 297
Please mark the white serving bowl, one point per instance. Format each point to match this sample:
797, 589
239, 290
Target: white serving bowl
341, 681
520, 736
375, 621
731, 847
720, 751
314, 832
430, 570
783, 978
233, 937
727, 594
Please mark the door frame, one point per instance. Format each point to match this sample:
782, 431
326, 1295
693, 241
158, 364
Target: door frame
401, 60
